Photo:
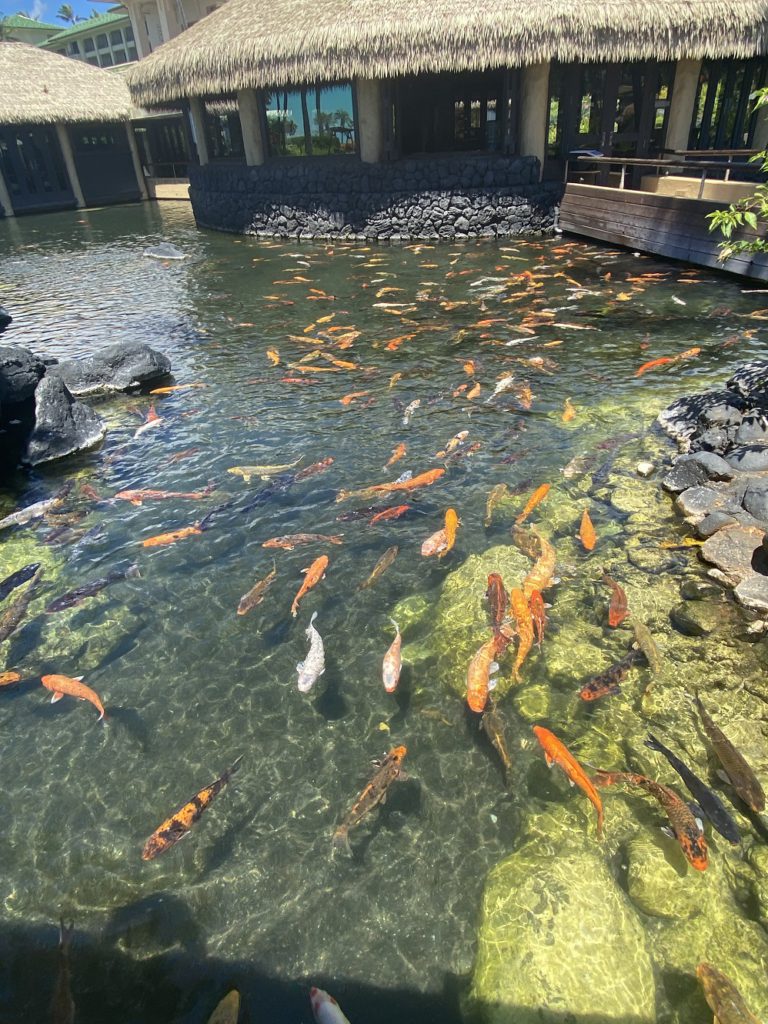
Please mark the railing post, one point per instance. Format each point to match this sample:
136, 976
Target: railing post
623, 175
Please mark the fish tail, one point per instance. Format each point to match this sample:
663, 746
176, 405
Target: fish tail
397, 628
132, 572
653, 743
600, 821
341, 840
231, 771
313, 617
342, 495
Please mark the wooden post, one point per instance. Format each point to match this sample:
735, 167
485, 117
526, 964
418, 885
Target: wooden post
5, 197
683, 101
370, 120
136, 160
197, 117
69, 162
760, 136
534, 95
250, 121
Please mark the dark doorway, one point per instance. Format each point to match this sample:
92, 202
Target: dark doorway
163, 146
447, 112
618, 109
104, 164
33, 167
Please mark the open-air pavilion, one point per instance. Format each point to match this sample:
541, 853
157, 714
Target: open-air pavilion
65, 138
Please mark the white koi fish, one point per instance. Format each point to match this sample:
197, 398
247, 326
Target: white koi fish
410, 409
392, 665
313, 665
325, 1008
502, 385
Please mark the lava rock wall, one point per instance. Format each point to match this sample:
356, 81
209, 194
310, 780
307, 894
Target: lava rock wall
453, 197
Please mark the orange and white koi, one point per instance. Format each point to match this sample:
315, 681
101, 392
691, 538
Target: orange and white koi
314, 573
535, 499
273, 356
325, 1008
538, 614
7, 678
353, 396
64, 685
389, 513
541, 575
398, 452
454, 443
392, 664
665, 360
555, 752
152, 420
422, 480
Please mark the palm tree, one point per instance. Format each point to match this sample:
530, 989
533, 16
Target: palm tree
66, 13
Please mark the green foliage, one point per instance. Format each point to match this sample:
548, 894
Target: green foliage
751, 212
66, 13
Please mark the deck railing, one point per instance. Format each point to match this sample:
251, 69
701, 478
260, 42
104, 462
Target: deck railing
675, 165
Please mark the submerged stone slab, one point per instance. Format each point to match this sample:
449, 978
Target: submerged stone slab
115, 368
559, 941
63, 425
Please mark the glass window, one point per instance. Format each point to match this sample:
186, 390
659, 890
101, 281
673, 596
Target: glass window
556, 110
73, 49
128, 33
312, 121
116, 37
93, 60
119, 56
88, 45
106, 60
101, 41
132, 53
223, 130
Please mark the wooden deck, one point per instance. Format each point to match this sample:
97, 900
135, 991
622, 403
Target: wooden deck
664, 225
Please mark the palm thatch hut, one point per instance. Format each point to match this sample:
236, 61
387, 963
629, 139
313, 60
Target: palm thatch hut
382, 81
64, 133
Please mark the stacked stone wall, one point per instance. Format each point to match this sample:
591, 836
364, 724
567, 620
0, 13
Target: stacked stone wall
478, 196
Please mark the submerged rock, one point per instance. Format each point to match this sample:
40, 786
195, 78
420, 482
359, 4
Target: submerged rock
560, 941
732, 550
5, 318
115, 368
63, 425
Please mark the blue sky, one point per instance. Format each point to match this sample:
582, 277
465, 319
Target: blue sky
45, 10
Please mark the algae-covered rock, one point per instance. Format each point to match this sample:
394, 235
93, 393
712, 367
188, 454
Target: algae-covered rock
659, 883
559, 940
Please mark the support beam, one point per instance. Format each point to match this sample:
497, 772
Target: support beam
370, 120
250, 123
760, 138
136, 160
140, 35
683, 101
534, 95
69, 162
5, 197
197, 119
169, 22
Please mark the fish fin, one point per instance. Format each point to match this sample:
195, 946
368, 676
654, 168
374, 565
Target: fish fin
394, 624
300, 666
246, 477
493, 667
492, 684
79, 678
56, 697
723, 776
670, 832
652, 742
571, 783
312, 619
341, 840
132, 572
549, 759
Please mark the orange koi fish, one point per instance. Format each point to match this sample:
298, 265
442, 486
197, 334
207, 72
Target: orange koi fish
470, 367
481, 668
6, 678
395, 378
688, 354
169, 390
555, 752
474, 392
273, 356
587, 534
497, 600
314, 574
161, 539
535, 499
617, 609
137, 497
542, 574
422, 480
538, 614
61, 685
176, 827
395, 343
524, 623
389, 513
348, 399
569, 411
398, 452
452, 523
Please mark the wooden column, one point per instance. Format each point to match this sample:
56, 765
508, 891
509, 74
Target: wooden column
534, 94
69, 162
370, 120
5, 197
250, 122
136, 159
681, 107
197, 117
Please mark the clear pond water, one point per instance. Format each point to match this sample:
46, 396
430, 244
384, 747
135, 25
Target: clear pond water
253, 897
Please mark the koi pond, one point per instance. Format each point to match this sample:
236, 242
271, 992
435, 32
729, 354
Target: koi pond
475, 892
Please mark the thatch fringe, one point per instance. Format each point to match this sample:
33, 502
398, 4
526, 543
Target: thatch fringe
40, 87
251, 44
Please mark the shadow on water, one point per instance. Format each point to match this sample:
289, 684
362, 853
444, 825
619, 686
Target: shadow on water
176, 983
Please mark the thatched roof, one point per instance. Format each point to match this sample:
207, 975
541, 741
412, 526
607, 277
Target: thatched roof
249, 43
40, 87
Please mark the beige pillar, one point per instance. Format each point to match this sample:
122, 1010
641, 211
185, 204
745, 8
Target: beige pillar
534, 94
250, 122
140, 36
681, 107
760, 138
168, 23
136, 160
370, 120
5, 197
69, 162
197, 116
